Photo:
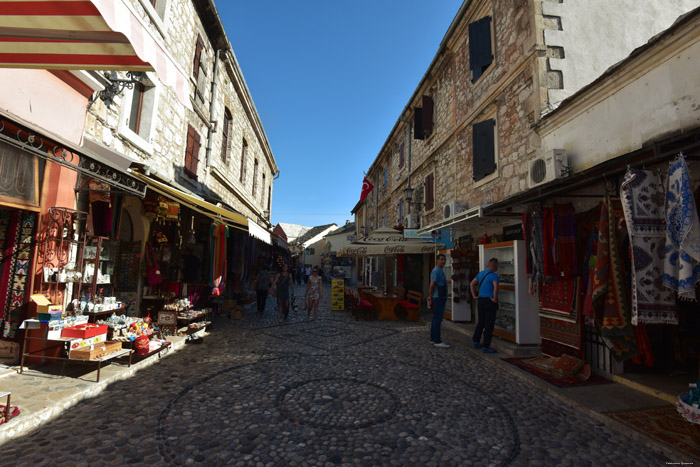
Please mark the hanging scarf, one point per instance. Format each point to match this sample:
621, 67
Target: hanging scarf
219, 235
566, 257
549, 244
682, 261
643, 202
537, 248
608, 294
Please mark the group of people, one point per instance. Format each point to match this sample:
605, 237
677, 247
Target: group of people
487, 282
281, 285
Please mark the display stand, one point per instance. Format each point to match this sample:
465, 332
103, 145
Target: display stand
518, 315
457, 307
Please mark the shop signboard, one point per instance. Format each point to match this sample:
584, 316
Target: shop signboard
413, 233
337, 295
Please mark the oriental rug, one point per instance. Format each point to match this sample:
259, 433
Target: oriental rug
565, 231
643, 206
663, 424
558, 295
608, 292
682, 251
563, 332
534, 366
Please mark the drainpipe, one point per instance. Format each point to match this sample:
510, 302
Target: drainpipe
408, 163
212, 106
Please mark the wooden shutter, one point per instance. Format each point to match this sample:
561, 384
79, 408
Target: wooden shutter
402, 157
418, 131
197, 56
224, 136
484, 149
192, 151
427, 114
480, 51
195, 154
429, 195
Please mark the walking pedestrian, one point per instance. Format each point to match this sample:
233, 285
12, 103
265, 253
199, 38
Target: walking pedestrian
300, 272
262, 288
307, 273
314, 293
437, 297
281, 286
487, 297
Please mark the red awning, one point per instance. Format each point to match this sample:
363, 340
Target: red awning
83, 35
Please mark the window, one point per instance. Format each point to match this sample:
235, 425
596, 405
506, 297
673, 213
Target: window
402, 156
385, 175
192, 152
262, 192
429, 194
423, 119
269, 196
197, 57
401, 211
136, 107
484, 149
255, 177
384, 219
244, 152
480, 50
225, 132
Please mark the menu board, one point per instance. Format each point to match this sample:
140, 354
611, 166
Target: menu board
128, 265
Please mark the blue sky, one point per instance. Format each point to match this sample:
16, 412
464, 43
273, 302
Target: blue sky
329, 79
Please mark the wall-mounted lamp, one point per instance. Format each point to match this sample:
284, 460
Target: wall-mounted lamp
116, 85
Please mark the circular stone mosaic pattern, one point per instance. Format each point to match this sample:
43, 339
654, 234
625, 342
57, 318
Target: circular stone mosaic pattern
337, 403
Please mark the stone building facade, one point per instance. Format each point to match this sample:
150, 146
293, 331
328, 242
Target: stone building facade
216, 148
501, 66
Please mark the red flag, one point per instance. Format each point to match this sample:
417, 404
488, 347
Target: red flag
366, 188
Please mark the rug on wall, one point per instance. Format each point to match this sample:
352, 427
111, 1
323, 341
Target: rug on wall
666, 425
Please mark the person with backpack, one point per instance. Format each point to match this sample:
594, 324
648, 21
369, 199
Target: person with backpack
487, 297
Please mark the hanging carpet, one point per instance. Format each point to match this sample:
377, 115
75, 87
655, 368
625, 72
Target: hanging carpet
558, 295
682, 252
608, 293
17, 243
563, 328
643, 203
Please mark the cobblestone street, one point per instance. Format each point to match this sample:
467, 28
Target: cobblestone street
329, 392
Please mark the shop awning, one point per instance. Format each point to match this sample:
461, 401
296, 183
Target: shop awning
471, 220
388, 241
83, 35
254, 230
196, 203
30, 138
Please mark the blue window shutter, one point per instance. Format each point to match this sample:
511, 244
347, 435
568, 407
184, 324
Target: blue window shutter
484, 162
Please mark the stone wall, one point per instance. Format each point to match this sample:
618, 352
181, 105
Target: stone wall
177, 24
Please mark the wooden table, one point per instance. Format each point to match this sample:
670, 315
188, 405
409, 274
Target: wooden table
385, 305
364, 291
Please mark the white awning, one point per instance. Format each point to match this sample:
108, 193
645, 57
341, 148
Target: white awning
258, 232
386, 241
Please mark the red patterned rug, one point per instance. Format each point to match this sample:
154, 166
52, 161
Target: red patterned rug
528, 364
666, 425
558, 295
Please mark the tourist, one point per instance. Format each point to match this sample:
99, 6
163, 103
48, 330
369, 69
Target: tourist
307, 273
437, 297
487, 297
314, 293
262, 288
281, 287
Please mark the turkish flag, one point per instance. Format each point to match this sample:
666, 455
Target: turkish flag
366, 188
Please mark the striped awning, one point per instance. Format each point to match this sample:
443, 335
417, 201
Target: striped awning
83, 35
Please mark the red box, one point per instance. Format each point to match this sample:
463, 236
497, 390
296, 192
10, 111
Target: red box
85, 331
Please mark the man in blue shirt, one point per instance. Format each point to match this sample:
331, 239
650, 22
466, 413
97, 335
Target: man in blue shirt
437, 296
487, 280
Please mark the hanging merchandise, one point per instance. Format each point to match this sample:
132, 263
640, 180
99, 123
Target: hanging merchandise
682, 260
608, 294
643, 202
565, 253
173, 211
150, 206
153, 275
219, 238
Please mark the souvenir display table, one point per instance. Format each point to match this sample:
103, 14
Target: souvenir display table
192, 321
77, 343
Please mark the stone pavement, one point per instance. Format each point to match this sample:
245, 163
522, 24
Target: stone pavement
327, 392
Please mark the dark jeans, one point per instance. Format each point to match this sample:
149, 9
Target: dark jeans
262, 300
487, 320
438, 313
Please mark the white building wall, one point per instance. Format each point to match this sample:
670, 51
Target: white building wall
596, 34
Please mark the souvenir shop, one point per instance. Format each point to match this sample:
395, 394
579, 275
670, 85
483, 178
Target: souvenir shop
612, 260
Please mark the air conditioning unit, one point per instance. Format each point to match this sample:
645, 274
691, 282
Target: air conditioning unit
412, 221
552, 165
451, 209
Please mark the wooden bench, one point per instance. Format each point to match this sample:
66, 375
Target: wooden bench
359, 306
412, 305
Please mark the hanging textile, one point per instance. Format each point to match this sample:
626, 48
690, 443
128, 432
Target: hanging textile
682, 260
646, 356
537, 248
565, 250
550, 269
558, 295
608, 294
643, 202
16, 238
564, 327
219, 239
